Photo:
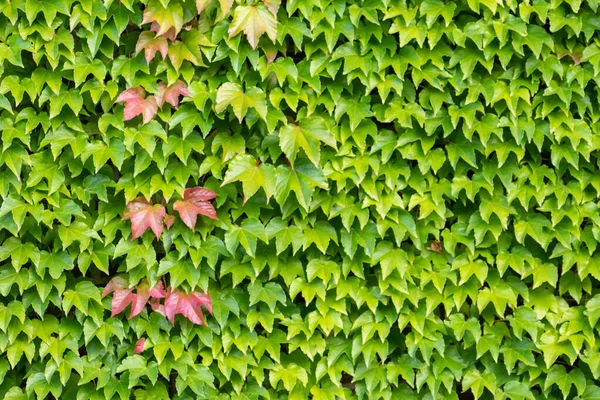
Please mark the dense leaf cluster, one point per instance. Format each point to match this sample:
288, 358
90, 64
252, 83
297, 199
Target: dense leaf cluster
407, 199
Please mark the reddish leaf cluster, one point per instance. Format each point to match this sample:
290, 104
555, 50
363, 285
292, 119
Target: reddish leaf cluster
176, 302
189, 305
124, 296
144, 215
137, 103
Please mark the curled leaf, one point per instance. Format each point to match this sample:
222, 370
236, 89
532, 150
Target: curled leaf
139, 345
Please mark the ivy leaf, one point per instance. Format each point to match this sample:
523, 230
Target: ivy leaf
253, 176
137, 367
254, 21
307, 135
136, 103
302, 179
270, 293
144, 215
83, 66
167, 17
170, 34
171, 94
139, 345
151, 44
188, 305
116, 283
142, 294
247, 234
232, 94
121, 299
194, 202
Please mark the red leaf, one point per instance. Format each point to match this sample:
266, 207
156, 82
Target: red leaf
115, 283
193, 203
139, 345
158, 291
143, 294
171, 304
171, 94
170, 34
198, 193
144, 215
157, 306
169, 221
151, 43
203, 299
189, 305
120, 301
136, 103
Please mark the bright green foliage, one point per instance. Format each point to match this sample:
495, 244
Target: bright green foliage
407, 199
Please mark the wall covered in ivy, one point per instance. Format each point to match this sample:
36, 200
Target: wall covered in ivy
267, 199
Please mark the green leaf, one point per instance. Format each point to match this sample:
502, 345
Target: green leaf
254, 21
307, 135
247, 234
270, 293
253, 175
232, 94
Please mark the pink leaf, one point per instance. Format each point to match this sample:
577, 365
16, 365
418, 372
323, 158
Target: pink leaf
155, 27
139, 345
203, 299
188, 305
193, 203
143, 294
115, 283
157, 306
189, 210
151, 43
171, 94
169, 221
120, 301
187, 309
198, 193
158, 291
171, 304
144, 215
137, 104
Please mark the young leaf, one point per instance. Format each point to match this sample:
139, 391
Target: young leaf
308, 135
171, 94
167, 17
139, 345
232, 93
254, 21
144, 215
116, 283
136, 103
194, 202
152, 43
170, 34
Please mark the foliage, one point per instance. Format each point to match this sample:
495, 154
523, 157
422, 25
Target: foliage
397, 199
